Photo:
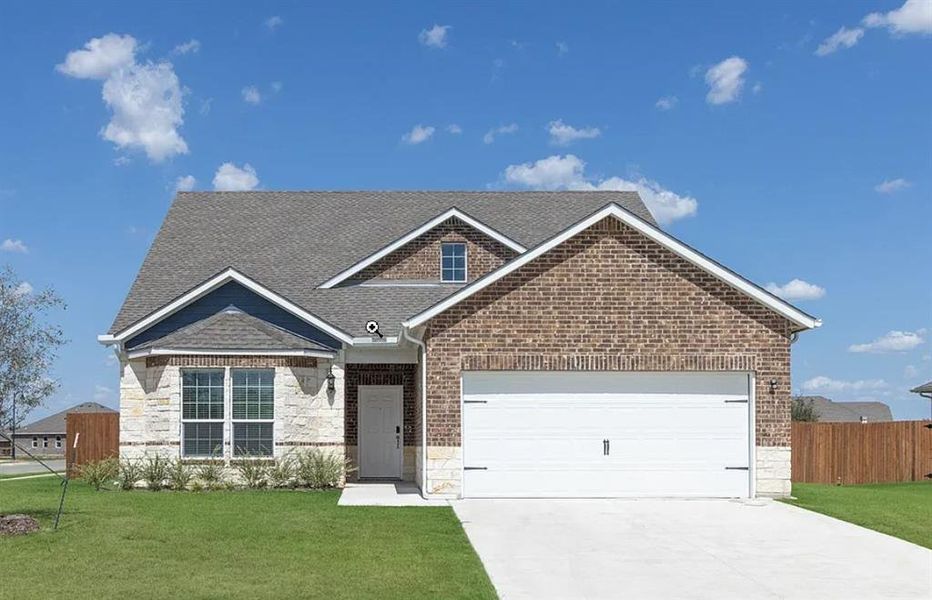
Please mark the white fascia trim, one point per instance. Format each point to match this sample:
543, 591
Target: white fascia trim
212, 284
453, 212
371, 342
667, 241
227, 352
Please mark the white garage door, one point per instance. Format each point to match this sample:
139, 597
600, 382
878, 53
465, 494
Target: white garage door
576, 434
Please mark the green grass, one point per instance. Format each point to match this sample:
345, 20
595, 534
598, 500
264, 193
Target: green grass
903, 510
243, 544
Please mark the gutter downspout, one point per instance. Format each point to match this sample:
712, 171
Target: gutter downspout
423, 352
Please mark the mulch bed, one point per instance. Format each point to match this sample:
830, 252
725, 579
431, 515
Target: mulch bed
17, 525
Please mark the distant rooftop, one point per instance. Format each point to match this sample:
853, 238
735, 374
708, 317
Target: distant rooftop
55, 424
829, 411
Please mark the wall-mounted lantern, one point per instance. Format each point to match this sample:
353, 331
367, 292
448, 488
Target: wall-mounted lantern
773, 386
331, 380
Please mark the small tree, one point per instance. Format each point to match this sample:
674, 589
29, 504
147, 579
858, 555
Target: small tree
803, 410
28, 346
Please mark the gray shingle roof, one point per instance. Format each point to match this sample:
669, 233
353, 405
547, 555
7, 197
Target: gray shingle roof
233, 329
56, 423
925, 388
829, 411
291, 242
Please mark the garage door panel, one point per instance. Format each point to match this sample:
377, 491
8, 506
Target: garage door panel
664, 440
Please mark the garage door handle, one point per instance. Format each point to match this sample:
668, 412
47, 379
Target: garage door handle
606, 447
475, 468
736, 468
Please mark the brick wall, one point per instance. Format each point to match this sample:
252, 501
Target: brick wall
608, 299
404, 375
420, 258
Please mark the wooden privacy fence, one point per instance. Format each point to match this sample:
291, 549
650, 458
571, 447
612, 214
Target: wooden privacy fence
99, 439
852, 453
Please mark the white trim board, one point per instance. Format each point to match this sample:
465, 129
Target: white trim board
667, 241
385, 251
210, 285
227, 352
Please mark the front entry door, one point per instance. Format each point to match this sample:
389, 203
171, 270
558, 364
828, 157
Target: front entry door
380, 431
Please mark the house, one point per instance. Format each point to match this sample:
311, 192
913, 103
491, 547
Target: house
924, 390
46, 436
829, 411
481, 344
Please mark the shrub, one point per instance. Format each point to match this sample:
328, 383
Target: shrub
319, 470
155, 472
255, 473
211, 474
98, 473
130, 473
282, 473
179, 476
803, 410
197, 486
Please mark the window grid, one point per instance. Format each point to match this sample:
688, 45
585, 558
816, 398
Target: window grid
253, 412
202, 412
453, 262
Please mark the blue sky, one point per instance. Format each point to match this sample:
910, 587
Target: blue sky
787, 140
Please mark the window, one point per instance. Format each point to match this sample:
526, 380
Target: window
202, 412
58, 441
253, 411
45, 442
453, 262
35, 442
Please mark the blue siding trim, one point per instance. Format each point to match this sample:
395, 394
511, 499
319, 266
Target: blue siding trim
247, 301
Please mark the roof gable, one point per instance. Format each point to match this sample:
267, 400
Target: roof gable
56, 423
801, 319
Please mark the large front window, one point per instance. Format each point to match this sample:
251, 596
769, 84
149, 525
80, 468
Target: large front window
253, 411
202, 412
453, 262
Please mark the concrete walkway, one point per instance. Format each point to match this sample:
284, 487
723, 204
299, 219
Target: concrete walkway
26, 467
390, 493
595, 549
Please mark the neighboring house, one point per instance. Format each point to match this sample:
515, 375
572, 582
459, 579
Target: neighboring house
924, 390
478, 343
829, 411
47, 436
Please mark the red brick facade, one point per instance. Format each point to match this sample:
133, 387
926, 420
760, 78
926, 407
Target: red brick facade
382, 374
420, 258
608, 299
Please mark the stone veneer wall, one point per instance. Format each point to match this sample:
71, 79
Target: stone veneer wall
608, 299
420, 258
403, 374
306, 414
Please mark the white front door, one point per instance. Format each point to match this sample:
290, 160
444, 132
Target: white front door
380, 427
600, 434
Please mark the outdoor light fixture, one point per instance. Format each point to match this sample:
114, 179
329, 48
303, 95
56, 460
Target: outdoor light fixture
331, 380
773, 386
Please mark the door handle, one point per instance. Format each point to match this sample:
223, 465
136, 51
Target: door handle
606, 447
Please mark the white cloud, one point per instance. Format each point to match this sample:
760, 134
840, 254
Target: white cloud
562, 134
562, 48
274, 22
915, 16
893, 341
230, 178
189, 47
758, 88
454, 129
827, 384
205, 106
23, 289
491, 134
843, 38
726, 80
145, 99
18, 246
796, 289
667, 102
276, 86
251, 94
185, 184
910, 372
568, 172
419, 133
100, 57
890, 186
435, 37
102, 393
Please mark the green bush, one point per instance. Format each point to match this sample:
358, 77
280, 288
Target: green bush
803, 410
179, 476
255, 473
97, 474
282, 473
130, 471
197, 486
319, 470
211, 474
155, 472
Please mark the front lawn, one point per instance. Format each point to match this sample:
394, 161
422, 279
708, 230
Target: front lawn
243, 544
903, 510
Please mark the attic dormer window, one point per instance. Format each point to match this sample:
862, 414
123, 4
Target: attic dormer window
453, 262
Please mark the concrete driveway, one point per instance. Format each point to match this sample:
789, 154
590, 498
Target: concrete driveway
686, 549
